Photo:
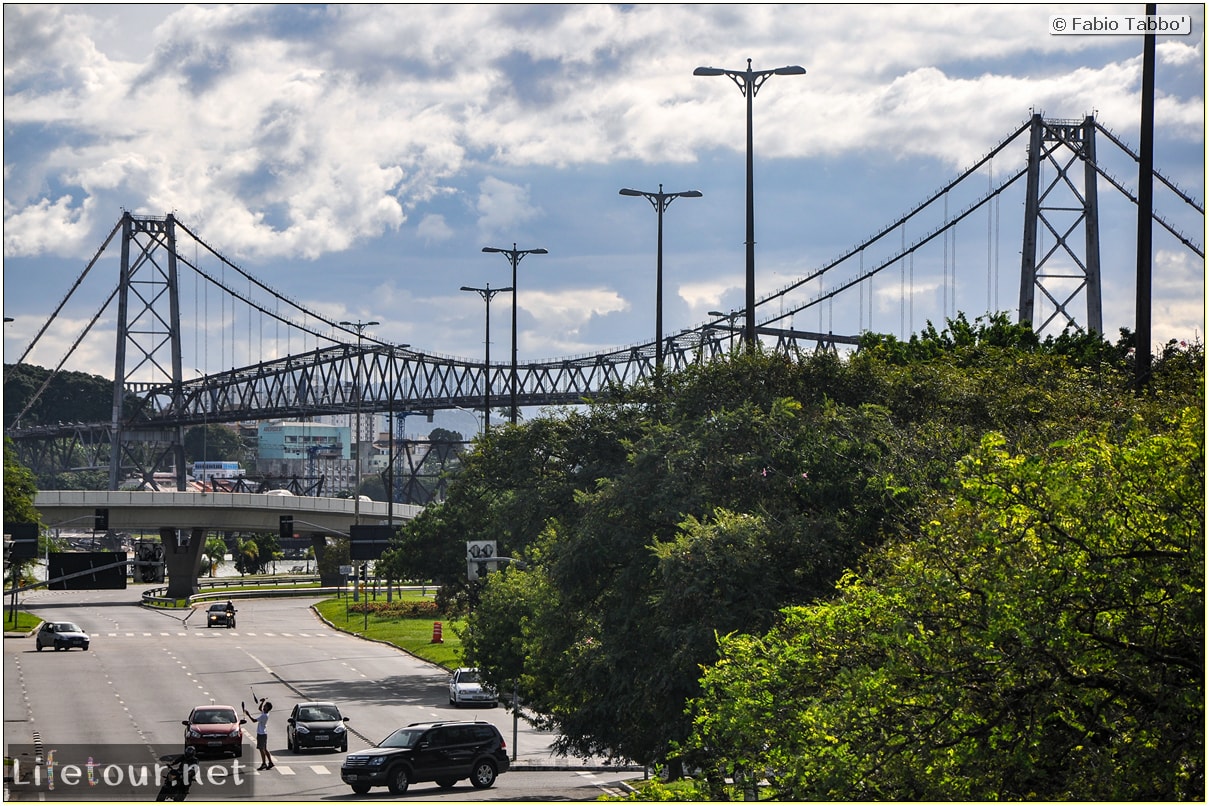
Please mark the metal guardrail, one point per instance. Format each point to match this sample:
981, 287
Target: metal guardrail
219, 588
287, 586
239, 582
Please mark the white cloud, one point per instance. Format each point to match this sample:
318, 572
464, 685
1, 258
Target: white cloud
434, 228
284, 148
502, 206
45, 226
561, 318
704, 295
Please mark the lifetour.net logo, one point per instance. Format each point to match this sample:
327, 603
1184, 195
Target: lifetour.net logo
119, 772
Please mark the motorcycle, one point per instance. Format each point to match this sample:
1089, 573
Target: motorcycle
177, 775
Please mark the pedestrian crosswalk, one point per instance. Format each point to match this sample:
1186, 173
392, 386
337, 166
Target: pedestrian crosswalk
281, 768
205, 633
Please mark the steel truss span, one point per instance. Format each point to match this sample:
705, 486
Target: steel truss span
314, 383
338, 371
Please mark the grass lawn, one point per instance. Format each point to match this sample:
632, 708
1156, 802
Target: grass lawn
411, 634
25, 621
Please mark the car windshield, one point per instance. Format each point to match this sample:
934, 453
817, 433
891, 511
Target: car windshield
66, 626
213, 716
219, 607
319, 713
469, 676
403, 737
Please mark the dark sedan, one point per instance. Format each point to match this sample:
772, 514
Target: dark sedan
220, 615
316, 725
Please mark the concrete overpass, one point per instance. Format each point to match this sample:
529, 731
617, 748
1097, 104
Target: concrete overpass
183, 518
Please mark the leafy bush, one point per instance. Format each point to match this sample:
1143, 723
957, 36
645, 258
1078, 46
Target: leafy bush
397, 609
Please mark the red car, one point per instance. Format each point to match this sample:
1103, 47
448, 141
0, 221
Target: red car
214, 729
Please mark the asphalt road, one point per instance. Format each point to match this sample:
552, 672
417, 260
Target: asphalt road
146, 669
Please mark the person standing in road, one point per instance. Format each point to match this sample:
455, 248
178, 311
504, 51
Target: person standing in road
262, 733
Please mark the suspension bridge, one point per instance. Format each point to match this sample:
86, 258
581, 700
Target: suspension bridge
301, 364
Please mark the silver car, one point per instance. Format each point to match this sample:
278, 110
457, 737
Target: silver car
61, 635
465, 687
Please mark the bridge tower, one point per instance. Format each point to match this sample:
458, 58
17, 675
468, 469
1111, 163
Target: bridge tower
148, 344
1058, 266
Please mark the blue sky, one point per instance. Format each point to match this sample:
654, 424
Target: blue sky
359, 157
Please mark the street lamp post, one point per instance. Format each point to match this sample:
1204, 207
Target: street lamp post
390, 443
749, 82
730, 321
487, 293
514, 256
360, 326
660, 201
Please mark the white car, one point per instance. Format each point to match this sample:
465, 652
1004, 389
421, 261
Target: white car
464, 687
61, 635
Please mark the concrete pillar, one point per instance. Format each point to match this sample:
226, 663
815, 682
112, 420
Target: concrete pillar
182, 559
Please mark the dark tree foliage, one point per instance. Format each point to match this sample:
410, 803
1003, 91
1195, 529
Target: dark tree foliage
19, 489
255, 553
70, 397
213, 443
676, 512
1041, 638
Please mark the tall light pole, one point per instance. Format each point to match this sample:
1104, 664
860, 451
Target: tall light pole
390, 441
360, 326
749, 82
487, 293
514, 256
660, 201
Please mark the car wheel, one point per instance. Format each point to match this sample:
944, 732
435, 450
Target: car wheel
446, 783
239, 751
58, 646
397, 782
453, 702
359, 789
40, 647
85, 647
483, 775
343, 748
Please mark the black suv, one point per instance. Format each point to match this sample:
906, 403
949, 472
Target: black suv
445, 752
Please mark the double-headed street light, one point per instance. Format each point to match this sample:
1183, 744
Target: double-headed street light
730, 321
360, 327
514, 256
749, 82
660, 201
487, 294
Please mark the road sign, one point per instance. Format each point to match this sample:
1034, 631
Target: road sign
480, 549
368, 541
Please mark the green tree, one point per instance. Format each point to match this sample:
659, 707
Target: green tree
254, 553
1041, 639
19, 491
215, 551
667, 513
68, 397
213, 443
247, 556
335, 553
